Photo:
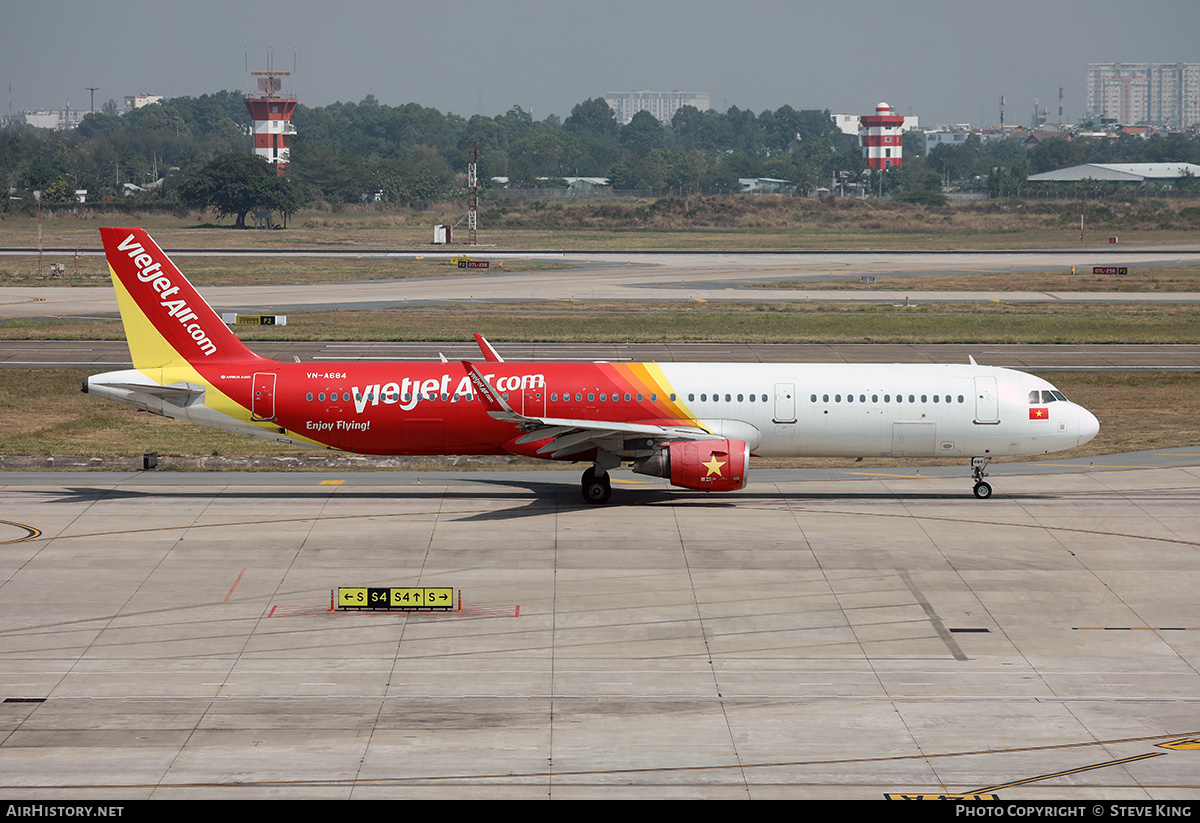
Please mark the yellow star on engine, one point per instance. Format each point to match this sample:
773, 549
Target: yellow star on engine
714, 467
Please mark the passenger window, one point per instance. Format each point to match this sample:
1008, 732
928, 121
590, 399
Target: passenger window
308, 396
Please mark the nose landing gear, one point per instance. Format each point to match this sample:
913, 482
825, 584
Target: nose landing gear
983, 490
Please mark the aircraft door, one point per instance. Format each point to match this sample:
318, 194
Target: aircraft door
987, 407
262, 401
785, 403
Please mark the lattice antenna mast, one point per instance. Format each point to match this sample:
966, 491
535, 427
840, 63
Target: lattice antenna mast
473, 189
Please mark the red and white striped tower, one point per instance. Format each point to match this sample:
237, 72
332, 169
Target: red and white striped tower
881, 135
272, 118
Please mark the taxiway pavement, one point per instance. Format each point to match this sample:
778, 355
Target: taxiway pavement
829, 634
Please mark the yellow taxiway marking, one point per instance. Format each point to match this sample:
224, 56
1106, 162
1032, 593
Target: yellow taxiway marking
30, 532
331, 482
1077, 770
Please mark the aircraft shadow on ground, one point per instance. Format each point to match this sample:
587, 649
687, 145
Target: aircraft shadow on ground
529, 497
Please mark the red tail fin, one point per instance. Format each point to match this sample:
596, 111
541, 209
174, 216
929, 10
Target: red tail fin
166, 320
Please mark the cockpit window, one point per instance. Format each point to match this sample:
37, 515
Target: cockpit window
1043, 396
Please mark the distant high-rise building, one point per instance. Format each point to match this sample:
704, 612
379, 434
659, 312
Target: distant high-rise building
662, 104
1155, 94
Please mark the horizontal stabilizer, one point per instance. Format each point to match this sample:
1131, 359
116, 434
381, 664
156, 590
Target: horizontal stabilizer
178, 394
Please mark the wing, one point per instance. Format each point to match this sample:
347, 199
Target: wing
489, 353
570, 436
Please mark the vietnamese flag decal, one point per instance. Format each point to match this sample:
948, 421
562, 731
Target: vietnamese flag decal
1040, 413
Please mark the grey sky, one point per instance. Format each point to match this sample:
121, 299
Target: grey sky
944, 60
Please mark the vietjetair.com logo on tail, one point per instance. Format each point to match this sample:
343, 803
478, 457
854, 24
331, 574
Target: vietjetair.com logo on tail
159, 278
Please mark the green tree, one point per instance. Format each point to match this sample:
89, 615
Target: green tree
1052, 154
233, 184
643, 132
593, 120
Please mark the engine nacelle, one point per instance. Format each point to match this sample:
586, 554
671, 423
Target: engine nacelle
704, 465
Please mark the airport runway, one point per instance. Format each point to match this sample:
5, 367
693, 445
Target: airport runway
656, 276
825, 634
110, 354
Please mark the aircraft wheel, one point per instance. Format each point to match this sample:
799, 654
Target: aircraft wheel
596, 490
983, 491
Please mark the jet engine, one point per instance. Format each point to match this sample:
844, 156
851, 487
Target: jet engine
704, 465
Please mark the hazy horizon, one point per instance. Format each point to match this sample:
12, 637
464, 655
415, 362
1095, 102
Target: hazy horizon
942, 61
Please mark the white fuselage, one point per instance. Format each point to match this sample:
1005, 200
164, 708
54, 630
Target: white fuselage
872, 410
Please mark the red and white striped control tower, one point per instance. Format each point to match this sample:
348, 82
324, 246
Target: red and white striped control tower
272, 116
881, 135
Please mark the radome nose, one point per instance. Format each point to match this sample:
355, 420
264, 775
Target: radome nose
1089, 426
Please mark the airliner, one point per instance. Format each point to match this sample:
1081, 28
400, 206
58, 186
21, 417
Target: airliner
694, 424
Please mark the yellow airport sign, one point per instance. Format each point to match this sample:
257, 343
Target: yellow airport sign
426, 597
351, 598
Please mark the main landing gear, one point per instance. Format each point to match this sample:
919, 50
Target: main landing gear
983, 490
597, 489
596, 486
